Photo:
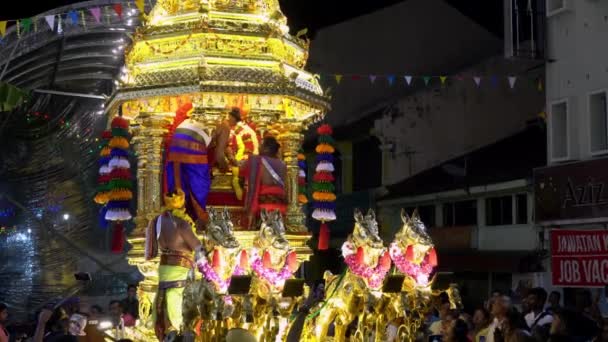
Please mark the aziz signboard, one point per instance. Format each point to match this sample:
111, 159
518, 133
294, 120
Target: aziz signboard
572, 193
579, 258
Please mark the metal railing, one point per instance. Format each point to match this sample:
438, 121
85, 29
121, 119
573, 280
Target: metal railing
525, 29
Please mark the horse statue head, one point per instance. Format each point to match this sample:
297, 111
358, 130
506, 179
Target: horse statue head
412, 250
220, 230
222, 247
272, 232
365, 233
365, 249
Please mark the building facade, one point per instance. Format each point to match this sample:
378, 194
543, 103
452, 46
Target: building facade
481, 218
570, 201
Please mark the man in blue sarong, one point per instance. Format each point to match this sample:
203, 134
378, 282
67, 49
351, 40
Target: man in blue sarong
189, 160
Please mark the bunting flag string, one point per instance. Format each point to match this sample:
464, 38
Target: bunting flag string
492, 80
25, 25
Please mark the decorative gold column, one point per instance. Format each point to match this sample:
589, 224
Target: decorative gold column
148, 133
291, 141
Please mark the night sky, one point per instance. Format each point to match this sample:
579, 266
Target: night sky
311, 14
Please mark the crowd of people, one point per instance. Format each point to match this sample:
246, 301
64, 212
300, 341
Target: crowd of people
71, 321
499, 320
538, 318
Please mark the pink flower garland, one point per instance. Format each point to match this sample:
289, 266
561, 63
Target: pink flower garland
274, 277
210, 275
419, 272
374, 276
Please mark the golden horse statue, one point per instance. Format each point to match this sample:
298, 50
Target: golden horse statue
353, 294
207, 306
273, 262
413, 255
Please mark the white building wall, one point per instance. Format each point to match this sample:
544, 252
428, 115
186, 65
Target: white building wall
578, 65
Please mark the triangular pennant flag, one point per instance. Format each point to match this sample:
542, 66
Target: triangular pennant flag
477, 80
96, 13
140, 5
73, 15
408, 79
512, 80
443, 79
390, 79
26, 24
84, 22
372, 78
50, 20
494, 81
59, 27
118, 10
338, 78
2, 28
426, 80
355, 77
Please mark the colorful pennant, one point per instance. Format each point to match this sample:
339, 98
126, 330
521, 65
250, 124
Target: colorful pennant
477, 80
96, 13
50, 20
512, 80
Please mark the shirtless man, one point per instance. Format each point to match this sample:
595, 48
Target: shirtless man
173, 233
265, 176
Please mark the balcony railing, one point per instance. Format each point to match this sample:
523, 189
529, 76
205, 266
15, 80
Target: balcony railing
525, 33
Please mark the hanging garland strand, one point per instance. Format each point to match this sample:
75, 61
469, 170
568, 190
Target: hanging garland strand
323, 187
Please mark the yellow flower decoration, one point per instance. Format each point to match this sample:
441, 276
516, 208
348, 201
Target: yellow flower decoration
120, 195
105, 151
323, 196
324, 148
119, 142
102, 198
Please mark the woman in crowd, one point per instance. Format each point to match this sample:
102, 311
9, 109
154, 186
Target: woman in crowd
481, 321
3, 317
458, 331
514, 329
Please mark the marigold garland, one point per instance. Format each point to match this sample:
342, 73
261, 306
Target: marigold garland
324, 207
114, 189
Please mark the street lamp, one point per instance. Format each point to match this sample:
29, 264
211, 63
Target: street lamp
66, 216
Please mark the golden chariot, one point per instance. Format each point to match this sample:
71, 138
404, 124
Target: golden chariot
215, 54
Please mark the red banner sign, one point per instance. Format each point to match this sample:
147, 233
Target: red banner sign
579, 258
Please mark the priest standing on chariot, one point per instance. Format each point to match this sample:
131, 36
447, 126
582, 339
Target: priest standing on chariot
265, 178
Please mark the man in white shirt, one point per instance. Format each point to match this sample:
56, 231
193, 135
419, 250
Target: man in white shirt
538, 320
500, 308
